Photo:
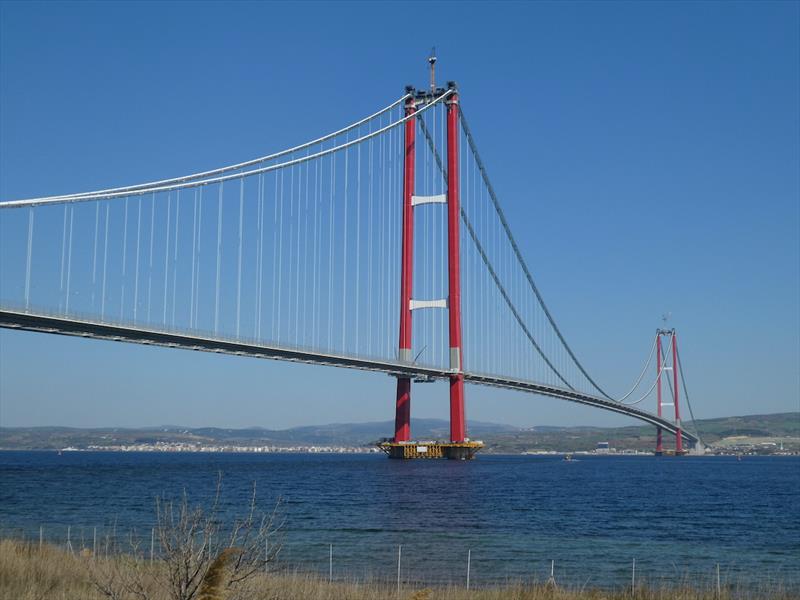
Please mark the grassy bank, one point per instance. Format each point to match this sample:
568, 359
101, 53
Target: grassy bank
28, 573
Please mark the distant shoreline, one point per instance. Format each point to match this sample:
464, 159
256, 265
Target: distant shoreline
369, 451
753, 434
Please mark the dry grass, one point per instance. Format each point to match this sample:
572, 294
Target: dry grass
28, 573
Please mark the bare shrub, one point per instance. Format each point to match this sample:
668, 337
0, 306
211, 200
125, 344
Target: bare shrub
196, 556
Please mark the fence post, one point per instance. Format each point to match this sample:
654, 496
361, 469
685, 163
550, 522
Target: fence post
469, 560
266, 554
633, 578
399, 554
552, 579
719, 588
330, 565
41, 537
152, 543
94, 542
113, 539
69, 542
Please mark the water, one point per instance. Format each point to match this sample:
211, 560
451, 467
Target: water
593, 516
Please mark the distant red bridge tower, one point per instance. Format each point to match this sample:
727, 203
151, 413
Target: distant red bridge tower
661, 366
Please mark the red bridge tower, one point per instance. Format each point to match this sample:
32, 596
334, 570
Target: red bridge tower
459, 446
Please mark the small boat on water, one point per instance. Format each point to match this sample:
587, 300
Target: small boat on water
568, 457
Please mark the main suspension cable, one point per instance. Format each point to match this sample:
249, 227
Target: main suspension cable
686, 395
658, 377
226, 169
518, 254
644, 370
223, 178
500, 286
482, 253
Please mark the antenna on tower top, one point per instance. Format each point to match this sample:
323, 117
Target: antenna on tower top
432, 62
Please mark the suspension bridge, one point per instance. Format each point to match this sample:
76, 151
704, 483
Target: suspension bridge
322, 254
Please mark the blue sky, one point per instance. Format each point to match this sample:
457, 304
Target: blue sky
646, 153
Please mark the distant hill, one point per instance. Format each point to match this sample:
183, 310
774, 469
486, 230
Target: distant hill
498, 438
642, 437
336, 434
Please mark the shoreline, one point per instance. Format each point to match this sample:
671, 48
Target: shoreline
356, 450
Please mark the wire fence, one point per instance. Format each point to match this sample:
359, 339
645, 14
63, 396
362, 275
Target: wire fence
411, 565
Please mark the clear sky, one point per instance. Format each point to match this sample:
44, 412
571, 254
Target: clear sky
647, 155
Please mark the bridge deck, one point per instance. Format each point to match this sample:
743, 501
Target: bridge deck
29, 321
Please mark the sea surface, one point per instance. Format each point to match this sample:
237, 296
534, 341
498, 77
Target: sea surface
677, 517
